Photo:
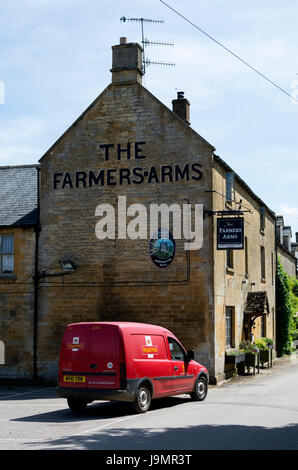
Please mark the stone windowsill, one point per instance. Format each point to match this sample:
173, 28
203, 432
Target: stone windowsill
230, 271
229, 204
11, 276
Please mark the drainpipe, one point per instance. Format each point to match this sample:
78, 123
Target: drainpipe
36, 283
275, 286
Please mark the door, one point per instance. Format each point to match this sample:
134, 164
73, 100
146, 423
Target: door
74, 357
103, 359
182, 373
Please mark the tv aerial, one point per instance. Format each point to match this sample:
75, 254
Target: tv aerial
146, 42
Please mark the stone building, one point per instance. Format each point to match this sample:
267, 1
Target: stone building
294, 251
18, 266
128, 151
284, 246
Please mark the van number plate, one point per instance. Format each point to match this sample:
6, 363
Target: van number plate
74, 378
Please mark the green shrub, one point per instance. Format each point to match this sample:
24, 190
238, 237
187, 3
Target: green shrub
286, 303
269, 342
261, 344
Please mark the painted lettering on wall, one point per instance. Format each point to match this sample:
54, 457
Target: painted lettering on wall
126, 176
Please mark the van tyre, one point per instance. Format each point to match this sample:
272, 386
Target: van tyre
77, 406
142, 401
200, 389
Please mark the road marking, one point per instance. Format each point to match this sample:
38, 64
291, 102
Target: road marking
105, 425
26, 393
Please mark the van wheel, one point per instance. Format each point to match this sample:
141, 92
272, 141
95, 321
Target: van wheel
200, 389
75, 405
143, 400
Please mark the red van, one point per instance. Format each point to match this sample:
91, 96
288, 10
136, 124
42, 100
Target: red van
133, 362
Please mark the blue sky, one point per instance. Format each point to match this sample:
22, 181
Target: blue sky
55, 58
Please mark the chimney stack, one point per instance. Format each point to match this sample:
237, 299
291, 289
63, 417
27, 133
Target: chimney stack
181, 106
127, 63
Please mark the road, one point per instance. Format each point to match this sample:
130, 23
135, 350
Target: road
256, 413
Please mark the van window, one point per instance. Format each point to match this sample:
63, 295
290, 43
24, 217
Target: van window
177, 352
148, 346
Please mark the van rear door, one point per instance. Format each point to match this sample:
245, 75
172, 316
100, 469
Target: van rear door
74, 357
104, 357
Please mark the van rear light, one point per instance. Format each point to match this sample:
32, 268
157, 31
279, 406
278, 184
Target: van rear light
122, 371
123, 382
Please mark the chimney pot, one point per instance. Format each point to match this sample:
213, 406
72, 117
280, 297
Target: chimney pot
181, 106
123, 40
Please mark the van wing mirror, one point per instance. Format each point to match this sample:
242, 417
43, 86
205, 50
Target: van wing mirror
190, 355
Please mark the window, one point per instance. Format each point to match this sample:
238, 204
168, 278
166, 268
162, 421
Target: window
177, 352
263, 326
246, 256
229, 326
6, 253
230, 187
230, 259
262, 219
263, 270
2, 352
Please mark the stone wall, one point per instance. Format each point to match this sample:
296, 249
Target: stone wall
17, 307
287, 259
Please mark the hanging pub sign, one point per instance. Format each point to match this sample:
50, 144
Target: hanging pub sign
162, 248
230, 233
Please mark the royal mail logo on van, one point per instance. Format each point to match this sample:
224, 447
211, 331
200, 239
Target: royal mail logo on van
149, 349
75, 345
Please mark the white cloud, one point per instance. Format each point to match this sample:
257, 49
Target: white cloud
290, 210
20, 140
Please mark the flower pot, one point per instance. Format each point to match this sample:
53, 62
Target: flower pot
266, 357
252, 359
234, 358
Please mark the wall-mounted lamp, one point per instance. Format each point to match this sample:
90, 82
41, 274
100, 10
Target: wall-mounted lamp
67, 265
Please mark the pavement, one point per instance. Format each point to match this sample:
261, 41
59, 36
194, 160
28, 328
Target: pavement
278, 364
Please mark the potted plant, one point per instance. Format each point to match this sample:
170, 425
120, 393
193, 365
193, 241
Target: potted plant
265, 346
234, 356
252, 357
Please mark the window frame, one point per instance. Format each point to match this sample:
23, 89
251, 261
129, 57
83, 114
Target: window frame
230, 259
229, 326
10, 254
230, 187
179, 346
263, 262
246, 259
262, 219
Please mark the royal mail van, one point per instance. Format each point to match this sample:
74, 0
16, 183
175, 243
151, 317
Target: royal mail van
133, 362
